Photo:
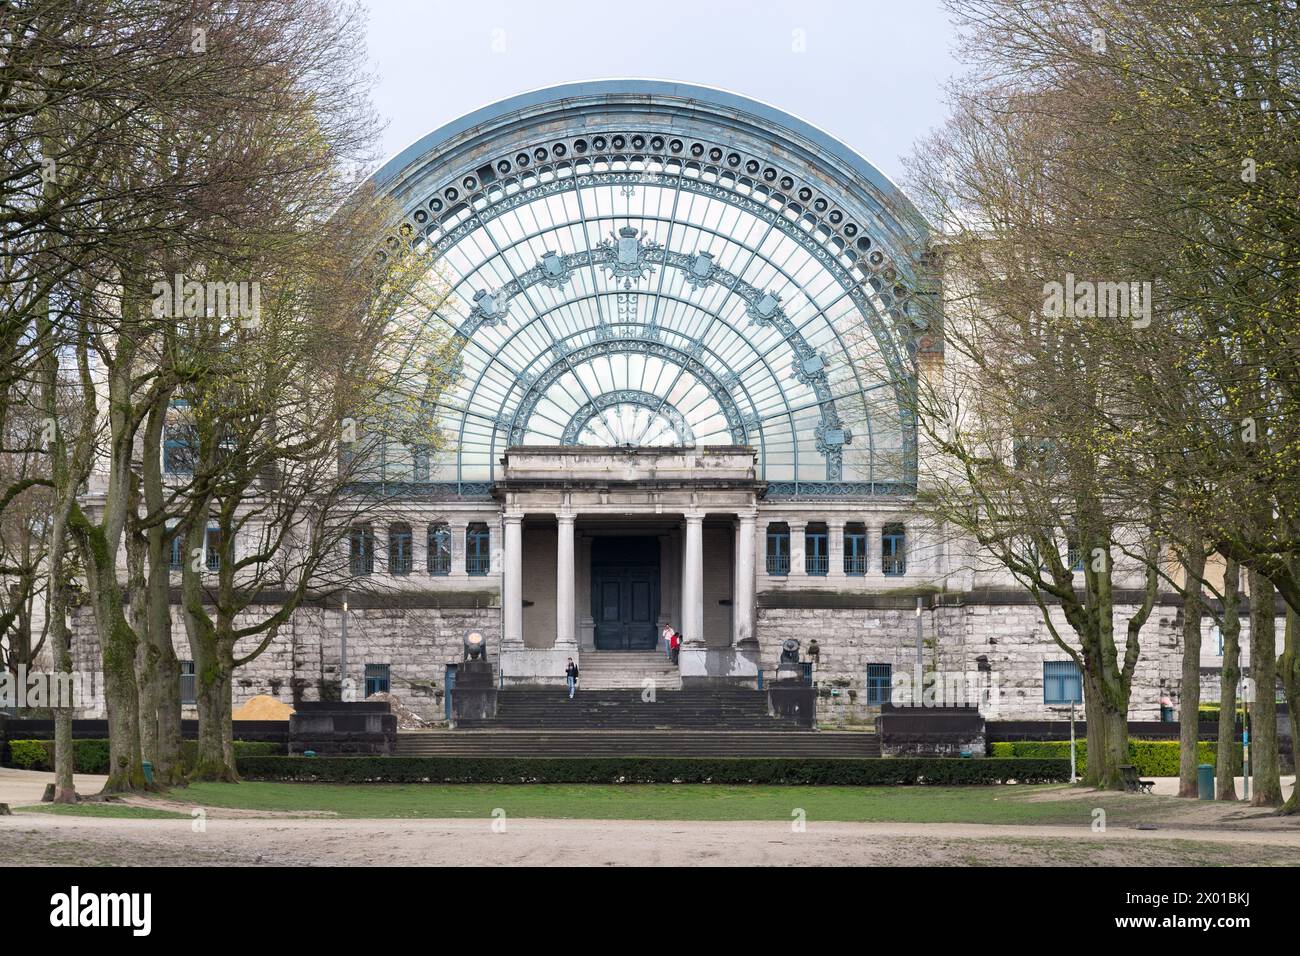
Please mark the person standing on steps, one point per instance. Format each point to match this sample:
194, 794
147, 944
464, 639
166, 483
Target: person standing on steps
674, 647
571, 672
668, 640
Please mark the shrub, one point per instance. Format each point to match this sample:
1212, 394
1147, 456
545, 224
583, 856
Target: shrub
91, 756
1152, 758
729, 770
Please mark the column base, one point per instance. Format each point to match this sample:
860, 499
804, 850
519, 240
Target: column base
738, 663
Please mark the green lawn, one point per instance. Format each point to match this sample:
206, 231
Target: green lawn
676, 802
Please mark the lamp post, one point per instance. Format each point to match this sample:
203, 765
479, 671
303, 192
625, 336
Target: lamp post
343, 652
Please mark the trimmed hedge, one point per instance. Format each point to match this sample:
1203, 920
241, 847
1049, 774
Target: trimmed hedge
1152, 758
91, 756
864, 771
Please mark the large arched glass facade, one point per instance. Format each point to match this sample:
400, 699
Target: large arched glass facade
650, 263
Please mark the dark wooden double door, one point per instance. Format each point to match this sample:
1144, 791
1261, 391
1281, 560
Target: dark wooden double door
625, 592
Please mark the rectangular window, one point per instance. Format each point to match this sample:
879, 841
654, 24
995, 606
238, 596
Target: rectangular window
879, 679
1062, 683
439, 549
176, 555
213, 549
400, 543
478, 555
362, 550
816, 540
855, 550
893, 550
189, 693
376, 679
178, 449
778, 549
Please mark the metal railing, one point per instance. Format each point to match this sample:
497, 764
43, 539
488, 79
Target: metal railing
817, 564
855, 564
778, 564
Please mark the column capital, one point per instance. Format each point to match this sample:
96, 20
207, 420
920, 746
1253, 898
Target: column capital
512, 517
748, 514
566, 517
694, 515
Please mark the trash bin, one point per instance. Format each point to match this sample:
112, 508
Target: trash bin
1205, 781
148, 772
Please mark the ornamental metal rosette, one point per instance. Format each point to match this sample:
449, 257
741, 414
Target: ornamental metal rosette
708, 259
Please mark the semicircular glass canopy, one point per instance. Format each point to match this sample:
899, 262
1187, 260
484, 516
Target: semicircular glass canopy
626, 269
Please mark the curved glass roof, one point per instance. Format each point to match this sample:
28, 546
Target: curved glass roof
647, 263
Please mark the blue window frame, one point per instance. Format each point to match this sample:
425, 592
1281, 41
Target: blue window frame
880, 678
855, 550
213, 546
362, 550
1062, 683
176, 556
178, 450
778, 549
478, 555
400, 543
893, 549
438, 554
377, 681
1073, 556
189, 693
816, 542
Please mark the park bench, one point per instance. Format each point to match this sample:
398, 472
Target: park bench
1132, 782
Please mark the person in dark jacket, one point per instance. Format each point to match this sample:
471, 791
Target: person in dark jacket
571, 672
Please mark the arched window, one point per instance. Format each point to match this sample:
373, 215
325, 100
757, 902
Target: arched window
439, 549
478, 555
400, 543
361, 549
778, 548
893, 549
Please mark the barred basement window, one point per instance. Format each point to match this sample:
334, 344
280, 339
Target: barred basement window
400, 543
778, 548
189, 692
879, 680
376, 679
1062, 683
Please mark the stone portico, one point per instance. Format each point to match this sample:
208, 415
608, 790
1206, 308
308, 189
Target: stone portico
695, 508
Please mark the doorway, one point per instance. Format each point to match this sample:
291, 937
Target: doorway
625, 592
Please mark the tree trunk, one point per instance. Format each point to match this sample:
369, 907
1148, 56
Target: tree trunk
1189, 693
1228, 749
216, 752
1289, 671
1267, 791
65, 788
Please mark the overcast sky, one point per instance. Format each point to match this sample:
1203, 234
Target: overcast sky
868, 72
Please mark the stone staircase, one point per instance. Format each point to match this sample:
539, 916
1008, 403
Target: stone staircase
607, 670
615, 743
548, 708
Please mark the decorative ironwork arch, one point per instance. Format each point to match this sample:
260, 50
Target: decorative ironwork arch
680, 228
584, 415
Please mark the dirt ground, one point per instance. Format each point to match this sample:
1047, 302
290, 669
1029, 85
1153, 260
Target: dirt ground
38, 839
1195, 834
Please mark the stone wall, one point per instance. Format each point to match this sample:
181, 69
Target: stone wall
303, 663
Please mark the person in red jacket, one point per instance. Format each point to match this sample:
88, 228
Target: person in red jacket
676, 645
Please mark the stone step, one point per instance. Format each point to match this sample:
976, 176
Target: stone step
636, 744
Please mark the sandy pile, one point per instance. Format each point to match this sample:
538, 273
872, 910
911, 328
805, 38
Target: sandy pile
262, 707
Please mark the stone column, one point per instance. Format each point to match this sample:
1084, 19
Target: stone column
835, 547
565, 637
512, 579
872, 529
693, 580
742, 603
458, 529
798, 548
